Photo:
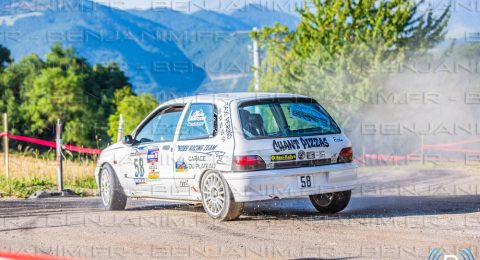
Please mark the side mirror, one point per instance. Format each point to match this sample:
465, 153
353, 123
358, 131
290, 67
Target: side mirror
128, 140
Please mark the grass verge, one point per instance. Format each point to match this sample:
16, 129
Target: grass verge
24, 187
28, 174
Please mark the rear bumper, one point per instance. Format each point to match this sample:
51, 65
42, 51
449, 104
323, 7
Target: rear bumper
270, 184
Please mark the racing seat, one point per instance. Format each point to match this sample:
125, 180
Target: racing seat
252, 123
256, 121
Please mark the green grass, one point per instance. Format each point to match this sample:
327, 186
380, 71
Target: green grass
24, 187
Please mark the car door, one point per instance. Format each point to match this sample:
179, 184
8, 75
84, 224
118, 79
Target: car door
195, 150
151, 155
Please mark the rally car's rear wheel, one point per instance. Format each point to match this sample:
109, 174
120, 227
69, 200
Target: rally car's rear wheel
217, 198
331, 202
112, 194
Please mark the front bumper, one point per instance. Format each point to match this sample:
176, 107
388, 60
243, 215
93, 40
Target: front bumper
270, 184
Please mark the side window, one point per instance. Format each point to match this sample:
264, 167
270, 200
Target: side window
161, 128
199, 122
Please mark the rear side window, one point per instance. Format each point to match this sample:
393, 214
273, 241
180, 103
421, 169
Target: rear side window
199, 122
279, 119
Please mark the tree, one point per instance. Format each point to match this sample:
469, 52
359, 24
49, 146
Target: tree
340, 49
133, 108
5, 57
64, 86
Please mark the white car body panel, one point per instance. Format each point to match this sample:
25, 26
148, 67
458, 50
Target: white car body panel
181, 163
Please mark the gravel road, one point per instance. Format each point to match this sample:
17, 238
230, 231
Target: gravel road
394, 214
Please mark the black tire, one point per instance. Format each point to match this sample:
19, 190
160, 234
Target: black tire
330, 203
114, 198
212, 194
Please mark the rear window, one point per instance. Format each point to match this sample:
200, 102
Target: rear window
278, 119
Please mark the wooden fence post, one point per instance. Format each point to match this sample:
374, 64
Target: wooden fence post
59, 155
5, 142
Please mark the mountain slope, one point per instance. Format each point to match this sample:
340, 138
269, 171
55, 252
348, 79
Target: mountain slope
102, 35
228, 23
259, 16
218, 42
176, 20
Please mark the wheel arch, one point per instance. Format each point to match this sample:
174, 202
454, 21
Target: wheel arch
97, 177
200, 177
104, 164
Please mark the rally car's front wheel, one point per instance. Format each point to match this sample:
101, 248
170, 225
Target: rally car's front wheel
217, 198
112, 194
331, 202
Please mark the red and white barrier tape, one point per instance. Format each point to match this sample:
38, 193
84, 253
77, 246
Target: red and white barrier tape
22, 256
51, 144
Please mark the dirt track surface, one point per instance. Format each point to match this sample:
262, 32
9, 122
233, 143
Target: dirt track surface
399, 214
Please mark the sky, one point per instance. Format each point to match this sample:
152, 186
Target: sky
465, 13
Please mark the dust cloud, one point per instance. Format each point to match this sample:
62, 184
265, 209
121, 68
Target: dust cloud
434, 101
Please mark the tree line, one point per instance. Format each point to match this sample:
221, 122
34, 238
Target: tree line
35, 92
341, 49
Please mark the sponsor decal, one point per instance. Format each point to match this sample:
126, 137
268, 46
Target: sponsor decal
320, 154
228, 123
139, 151
152, 155
154, 175
296, 144
283, 157
216, 157
310, 155
184, 184
286, 145
196, 148
183, 148
337, 139
334, 158
197, 118
210, 147
199, 166
301, 154
219, 156
314, 142
197, 158
224, 123
308, 114
153, 167
181, 166
140, 181
201, 161
166, 147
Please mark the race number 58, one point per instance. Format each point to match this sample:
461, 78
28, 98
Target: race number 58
139, 169
305, 181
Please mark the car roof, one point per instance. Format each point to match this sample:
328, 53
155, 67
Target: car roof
232, 97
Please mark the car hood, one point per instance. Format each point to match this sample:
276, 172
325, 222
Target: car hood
114, 146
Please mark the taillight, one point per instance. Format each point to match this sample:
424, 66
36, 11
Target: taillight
248, 163
346, 155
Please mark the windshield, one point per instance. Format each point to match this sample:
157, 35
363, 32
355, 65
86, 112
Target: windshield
285, 119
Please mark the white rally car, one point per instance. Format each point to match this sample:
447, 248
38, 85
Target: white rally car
227, 149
